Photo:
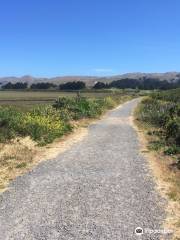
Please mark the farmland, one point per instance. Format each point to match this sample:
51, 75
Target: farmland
30, 98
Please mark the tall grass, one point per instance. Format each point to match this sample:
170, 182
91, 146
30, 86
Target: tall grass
161, 110
45, 123
77, 108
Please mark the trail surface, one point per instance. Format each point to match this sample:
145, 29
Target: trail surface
99, 189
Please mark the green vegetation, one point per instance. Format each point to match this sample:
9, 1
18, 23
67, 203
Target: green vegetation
72, 86
75, 85
43, 85
144, 83
26, 99
77, 108
43, 116
161, 111
18, 85
44, 123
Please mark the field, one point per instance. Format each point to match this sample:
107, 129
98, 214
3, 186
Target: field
46, 115
30, 98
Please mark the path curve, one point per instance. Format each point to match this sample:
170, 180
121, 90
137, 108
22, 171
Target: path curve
99, 189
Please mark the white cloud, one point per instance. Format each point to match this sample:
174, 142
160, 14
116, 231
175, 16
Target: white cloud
103, 70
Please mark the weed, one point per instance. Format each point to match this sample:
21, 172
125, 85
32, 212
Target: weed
21, 165
161, 111
156, 145
172, 150
172, 195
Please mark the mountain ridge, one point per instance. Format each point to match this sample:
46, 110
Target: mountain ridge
91, 80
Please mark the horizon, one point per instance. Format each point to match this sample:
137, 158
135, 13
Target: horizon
89, 39
90, 76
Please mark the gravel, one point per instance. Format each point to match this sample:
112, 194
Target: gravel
99, 189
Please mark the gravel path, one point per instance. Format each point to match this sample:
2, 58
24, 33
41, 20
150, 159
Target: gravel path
99, 189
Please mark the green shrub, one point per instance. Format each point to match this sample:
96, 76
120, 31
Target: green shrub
10, 119
77, 108
172, 150
157, 112
173, 130
161, 110
45, 123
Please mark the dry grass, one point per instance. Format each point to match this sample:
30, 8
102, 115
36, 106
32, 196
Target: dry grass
166, 177
15, 158
22, 154
27, 99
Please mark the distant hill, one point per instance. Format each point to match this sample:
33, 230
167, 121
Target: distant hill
91, 80
168, 76
56, 80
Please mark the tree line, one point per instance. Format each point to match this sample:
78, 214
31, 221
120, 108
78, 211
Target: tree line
46, 85
144, 84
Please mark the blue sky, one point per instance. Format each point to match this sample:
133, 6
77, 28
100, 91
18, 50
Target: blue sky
88, 37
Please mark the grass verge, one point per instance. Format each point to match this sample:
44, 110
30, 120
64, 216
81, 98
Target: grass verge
160, 144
